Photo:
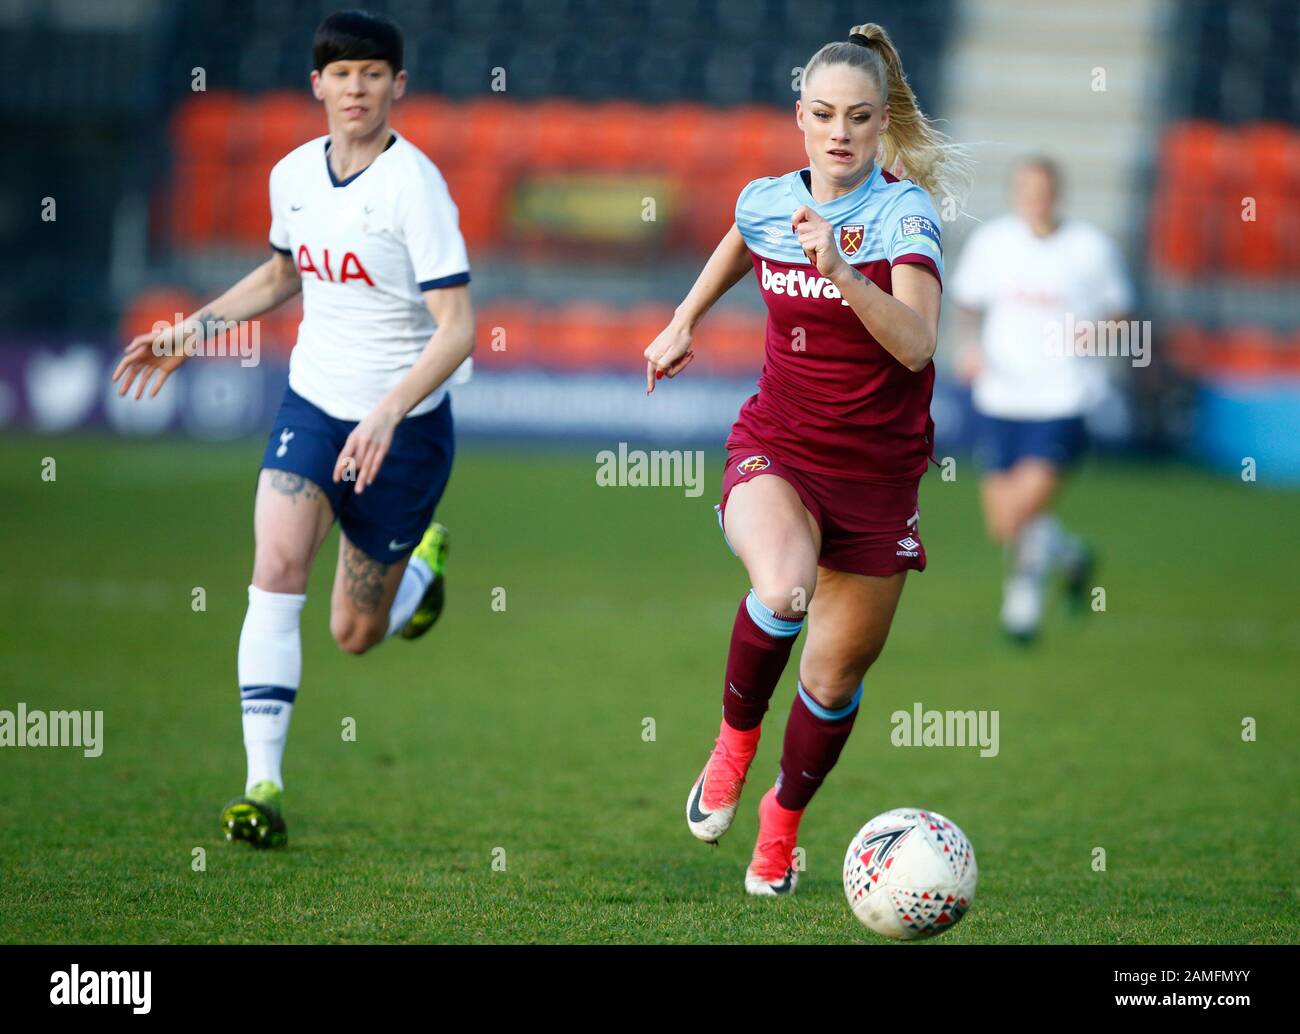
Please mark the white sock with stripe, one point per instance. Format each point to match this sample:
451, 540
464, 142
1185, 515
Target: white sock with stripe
410, 590
270, 666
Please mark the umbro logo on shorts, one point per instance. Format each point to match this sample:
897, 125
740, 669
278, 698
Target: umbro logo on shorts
753, 463
910, 547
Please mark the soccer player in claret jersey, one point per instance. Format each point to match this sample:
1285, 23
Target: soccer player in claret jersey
819, 494
363, 225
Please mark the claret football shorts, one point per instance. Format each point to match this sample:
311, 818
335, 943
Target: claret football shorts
867, 528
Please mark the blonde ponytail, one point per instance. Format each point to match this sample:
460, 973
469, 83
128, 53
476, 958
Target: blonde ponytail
911, 147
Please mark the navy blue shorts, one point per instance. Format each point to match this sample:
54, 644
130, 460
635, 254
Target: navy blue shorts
389, 518
1001, 443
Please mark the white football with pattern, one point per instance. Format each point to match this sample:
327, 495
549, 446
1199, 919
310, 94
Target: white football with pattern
910, 873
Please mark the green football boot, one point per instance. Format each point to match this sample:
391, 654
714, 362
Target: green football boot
433, 551
257, 816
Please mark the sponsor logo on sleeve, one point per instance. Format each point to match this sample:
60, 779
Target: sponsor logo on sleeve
753, 463
916, 228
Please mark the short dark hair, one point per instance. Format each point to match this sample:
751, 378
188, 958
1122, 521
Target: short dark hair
357, 36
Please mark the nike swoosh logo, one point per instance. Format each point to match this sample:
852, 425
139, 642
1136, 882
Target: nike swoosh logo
395, 546
695, 814
295, 208
784, 886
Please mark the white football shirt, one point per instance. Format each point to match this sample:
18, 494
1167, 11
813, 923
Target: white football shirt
1030, 288
365, 247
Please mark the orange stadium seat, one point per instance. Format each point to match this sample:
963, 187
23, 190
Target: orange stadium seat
1195, 151
206, 122
480, 191
732, 341
506, 335
622, 136
548, 327
710, 209
281, 121
767, 143
155, 305
691, 138
1250, 351
591, 337
1180, 233
1254, 248
435, 125
641, 325
493, 129
559, 136
279, 328
1270, 154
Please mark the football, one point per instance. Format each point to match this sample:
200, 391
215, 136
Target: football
910, 873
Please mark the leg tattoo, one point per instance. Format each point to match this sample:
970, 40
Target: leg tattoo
363, 579
293, 486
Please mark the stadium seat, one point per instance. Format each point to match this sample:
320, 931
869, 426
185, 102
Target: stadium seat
559, 139
506, 335
282, 121
155, 305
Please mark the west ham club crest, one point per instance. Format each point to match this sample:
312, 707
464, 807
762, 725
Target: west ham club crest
851, 239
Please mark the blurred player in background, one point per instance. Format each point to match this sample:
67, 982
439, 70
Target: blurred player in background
819, 495
1031, 275
363, 225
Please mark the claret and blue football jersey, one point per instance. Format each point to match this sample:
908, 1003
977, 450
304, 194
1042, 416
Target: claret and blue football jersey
831, 399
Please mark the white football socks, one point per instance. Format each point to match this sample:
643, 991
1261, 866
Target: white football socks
270, 665
1044, 545
410, 590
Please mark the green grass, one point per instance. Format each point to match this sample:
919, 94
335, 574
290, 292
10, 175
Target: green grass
522, 730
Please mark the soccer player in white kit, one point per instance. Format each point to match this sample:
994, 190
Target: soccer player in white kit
361, 223
1030, 275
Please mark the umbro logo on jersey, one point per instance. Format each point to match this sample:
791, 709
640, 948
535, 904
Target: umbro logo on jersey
774, 233
286, 436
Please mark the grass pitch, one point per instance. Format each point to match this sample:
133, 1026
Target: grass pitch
503, 785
